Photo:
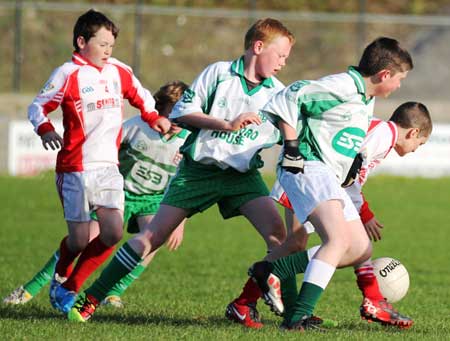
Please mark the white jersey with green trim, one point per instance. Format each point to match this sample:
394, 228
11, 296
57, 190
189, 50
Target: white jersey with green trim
221, 91
147, 159
331, 116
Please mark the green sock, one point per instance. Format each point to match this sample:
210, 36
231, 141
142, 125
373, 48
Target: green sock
43, 277
122, 264
125, 282
306, 301
291, 265
289, 295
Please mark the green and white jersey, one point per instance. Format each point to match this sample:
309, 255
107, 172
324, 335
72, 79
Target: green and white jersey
147, 159
221, 91
331, 116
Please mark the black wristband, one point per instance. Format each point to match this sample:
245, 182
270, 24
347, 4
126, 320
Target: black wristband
291, 147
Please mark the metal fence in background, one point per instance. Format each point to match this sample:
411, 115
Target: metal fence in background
165, 43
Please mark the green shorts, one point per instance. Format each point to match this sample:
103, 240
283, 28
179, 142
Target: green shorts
197, 187
139, 205
135, 206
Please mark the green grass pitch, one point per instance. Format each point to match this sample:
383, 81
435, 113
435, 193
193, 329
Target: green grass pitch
183, 294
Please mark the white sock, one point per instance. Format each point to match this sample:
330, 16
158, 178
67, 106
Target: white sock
319, 273
312, 251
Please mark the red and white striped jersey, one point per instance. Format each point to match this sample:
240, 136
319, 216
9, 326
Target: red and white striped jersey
91, 99
379, 141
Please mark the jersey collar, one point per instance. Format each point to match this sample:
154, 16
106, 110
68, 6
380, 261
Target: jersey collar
238, 67
79, 60
359, 83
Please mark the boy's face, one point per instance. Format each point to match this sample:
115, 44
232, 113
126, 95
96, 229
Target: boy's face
411, 142
272, 56
99, 48
389, 82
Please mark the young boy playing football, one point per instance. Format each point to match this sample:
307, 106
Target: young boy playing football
221, 156
147, 160
408, 128
90, 90
323, 124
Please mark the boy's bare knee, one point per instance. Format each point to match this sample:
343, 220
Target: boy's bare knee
366, 253
112, 237
340, 243
77, 245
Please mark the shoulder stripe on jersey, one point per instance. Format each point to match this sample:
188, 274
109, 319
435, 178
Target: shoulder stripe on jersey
318, 103
373, 123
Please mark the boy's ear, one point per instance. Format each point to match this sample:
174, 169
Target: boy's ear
258, 46
81, 42
412, 132
384, 74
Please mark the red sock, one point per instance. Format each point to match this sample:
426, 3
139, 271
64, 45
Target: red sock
250, 293
90, 259
367, 283
64, 266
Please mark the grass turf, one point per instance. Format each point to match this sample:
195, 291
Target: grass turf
184, 293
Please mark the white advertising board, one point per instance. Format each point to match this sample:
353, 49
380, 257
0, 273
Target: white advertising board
430, 160
26, 155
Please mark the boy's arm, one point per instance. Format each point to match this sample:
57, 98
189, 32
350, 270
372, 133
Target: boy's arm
141, 98
292, 160
371, 224
48, 99
365, 212
282, 110
203, 121
195, 106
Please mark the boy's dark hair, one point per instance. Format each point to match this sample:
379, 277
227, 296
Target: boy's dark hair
413, 115
384, 54
168, 95
89, 23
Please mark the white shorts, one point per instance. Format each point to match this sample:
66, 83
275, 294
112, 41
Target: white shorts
84, 192
317, 184
279, 195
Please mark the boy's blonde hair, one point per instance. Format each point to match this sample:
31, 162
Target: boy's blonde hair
413, 115
266, 30
169, 94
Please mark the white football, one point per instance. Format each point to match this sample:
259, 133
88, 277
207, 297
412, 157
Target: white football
393, 278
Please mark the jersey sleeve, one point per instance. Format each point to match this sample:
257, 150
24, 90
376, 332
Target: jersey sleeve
283, 106
358, 199
138, 96
199, 96
354, 192
48, 99
303, 99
